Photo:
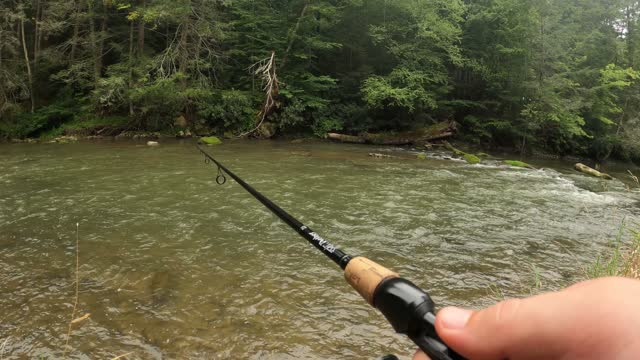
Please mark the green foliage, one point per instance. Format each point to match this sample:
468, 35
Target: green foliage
159, 103
307, 104
561, 75
231, 110
422, 42
324, 124
44, 119
402, 89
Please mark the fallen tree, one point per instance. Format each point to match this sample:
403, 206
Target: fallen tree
593, 172
435, 132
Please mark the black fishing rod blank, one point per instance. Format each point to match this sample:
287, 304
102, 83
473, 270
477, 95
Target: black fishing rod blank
409, 309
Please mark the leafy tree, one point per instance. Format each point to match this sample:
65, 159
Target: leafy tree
423, 38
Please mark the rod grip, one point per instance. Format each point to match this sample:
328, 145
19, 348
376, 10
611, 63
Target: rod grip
408, 308
365, 275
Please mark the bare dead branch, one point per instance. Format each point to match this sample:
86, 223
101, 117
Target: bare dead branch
266, 70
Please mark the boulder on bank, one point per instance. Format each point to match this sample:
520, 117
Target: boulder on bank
590, 171
210, 140
181, 122
183, 134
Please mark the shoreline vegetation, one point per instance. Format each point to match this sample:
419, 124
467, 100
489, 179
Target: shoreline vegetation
622, 259
558, 77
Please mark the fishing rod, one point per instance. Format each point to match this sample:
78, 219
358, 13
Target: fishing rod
409, 309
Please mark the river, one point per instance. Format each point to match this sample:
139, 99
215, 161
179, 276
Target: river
174, 266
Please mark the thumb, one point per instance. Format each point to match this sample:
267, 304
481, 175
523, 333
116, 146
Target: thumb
593, 320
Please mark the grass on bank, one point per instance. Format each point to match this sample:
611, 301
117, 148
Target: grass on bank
623, 260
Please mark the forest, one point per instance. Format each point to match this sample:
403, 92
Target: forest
561, 76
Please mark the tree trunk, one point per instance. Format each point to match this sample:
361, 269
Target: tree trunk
76, 31
438, 131
94, 47
184, 64
1, 42
130, 66
36, 32
347, 138
294, 34
543, 55
103, 34
184, 54
141, 32
26, 60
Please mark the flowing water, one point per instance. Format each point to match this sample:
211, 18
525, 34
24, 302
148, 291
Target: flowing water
174, 266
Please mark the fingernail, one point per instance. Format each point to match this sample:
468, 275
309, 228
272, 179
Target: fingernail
454, 318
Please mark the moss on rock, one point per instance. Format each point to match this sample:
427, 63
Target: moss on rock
422, 156
471, 159
210, 140
517, 163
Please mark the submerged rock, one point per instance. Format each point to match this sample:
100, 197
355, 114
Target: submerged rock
379, 156
153, 143
210, 140
422, 156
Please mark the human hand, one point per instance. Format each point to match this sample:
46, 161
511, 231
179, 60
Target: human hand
596, 319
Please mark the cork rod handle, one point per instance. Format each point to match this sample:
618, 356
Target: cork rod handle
365, 275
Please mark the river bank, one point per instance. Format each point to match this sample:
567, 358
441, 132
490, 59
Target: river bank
505, 153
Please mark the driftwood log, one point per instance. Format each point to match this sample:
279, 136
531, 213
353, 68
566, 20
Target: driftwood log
593, 172
438, 131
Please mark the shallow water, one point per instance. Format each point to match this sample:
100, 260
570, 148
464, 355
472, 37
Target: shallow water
174, 266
